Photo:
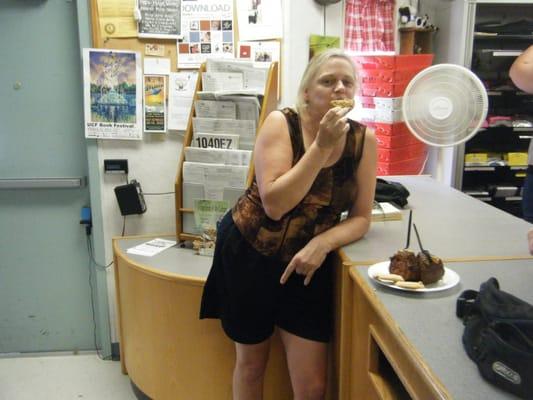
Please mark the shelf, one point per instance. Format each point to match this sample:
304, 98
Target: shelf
489, 36
500, 150
480, 168
489, 199
502, 53
475, 193
513, 198
493, 167
507, 92
185, 224
508, 127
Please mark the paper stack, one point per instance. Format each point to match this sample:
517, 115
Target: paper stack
224, 128
386, 212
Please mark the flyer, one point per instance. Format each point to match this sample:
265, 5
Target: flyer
159, 19
181, 92
208, 212
319, 44
260, 53
112, 84
116, 18
155, 113
259, 19
207, 30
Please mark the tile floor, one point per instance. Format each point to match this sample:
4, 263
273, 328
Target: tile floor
63, 377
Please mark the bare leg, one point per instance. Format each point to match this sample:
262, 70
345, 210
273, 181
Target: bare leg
307, 362
250, 365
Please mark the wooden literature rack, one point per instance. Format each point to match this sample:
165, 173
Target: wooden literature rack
268, 104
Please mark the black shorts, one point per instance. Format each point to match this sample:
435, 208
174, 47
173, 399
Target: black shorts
244, 292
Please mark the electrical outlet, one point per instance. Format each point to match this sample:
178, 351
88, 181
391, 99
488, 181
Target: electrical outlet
116, 166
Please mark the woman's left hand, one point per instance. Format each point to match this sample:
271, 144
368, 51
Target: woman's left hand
306, 261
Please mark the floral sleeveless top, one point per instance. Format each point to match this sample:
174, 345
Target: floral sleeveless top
332, 193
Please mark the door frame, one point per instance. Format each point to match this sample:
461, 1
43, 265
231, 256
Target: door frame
103, 327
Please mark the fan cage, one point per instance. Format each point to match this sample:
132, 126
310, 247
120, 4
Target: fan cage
445, 105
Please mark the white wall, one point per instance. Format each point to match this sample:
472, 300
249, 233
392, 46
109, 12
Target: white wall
302, 18
154, 160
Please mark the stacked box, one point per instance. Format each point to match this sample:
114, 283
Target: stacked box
383, 80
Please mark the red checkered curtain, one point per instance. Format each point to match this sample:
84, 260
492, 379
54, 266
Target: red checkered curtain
369, 25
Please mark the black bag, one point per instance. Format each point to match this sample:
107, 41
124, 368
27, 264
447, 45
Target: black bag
498, 336
392, 192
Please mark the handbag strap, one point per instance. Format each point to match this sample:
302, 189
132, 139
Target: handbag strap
465, 303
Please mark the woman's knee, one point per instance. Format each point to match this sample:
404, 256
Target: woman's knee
312, 389
251, 370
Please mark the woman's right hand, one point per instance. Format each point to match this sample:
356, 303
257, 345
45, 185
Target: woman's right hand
333, 126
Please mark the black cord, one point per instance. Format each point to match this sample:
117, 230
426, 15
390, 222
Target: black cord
123, 225
93, 308
91, 255
324, 19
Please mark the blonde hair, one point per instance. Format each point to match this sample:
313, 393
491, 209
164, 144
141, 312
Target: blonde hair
312, 70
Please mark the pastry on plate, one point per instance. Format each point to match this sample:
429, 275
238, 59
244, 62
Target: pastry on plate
431, 267
404, 263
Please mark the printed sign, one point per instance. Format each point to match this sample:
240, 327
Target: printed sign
112, 94
207, 29
159, 19
155, 115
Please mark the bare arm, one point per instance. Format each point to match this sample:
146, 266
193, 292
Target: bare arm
521, 71
281, 185
311, 257
358, 221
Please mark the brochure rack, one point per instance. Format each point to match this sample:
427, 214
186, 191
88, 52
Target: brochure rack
185, 215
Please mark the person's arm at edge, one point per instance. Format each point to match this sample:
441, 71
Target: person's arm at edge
521, 72
351, 229
282, 186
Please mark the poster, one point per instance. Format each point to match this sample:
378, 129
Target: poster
207, 30
155, 113
116, 18
159, 19
208, 212
262, 53
318, 44
112, 84
181, 87
259, 19
259, 52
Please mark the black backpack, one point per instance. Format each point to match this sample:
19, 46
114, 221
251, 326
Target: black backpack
498, 336
391, 192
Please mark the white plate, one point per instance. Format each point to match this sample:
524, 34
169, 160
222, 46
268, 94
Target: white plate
449, 279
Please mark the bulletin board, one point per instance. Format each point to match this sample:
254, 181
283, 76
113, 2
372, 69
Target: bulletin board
139, 44
101, 40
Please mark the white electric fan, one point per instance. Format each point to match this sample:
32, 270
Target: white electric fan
444, 105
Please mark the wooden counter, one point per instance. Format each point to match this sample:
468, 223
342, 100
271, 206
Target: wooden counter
408, 345
165, 349
169, 353
455, 227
